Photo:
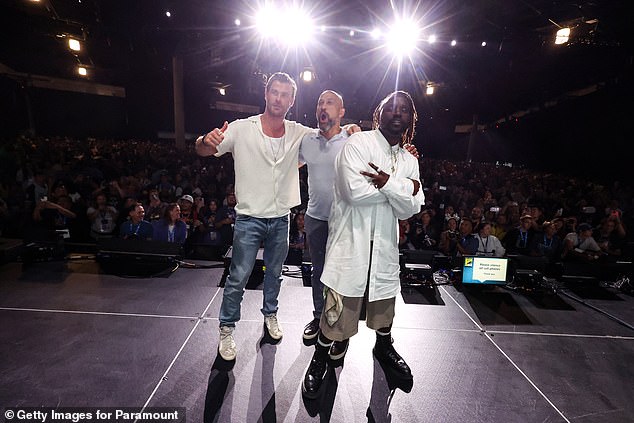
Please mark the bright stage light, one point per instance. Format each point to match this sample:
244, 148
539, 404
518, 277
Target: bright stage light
453, 43
265, 22
291, 27
563, 35
429, 89
307, 75
299, 28
484, 44
402, 38
74, 44
376, 34
82, 71
431, 39
237, 22
222, 91
168, 13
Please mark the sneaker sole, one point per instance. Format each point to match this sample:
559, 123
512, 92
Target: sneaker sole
225, 358
271, 335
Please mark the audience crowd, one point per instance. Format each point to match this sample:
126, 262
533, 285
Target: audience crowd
83, 190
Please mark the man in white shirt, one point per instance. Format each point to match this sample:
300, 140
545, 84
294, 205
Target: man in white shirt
318, 151
376, 183
265, 151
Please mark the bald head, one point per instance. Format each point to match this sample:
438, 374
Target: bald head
329, 111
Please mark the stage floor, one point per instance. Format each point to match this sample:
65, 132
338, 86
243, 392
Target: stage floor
74, 336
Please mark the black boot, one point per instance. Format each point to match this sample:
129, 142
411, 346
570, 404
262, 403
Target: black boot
391, 360
317, 370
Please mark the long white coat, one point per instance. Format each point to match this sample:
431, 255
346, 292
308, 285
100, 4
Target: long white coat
356, 201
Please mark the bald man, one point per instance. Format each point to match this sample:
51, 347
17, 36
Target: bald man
318, 151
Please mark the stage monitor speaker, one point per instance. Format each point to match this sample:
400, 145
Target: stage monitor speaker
138, 258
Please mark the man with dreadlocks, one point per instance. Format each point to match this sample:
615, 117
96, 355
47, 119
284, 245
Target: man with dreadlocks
376, 184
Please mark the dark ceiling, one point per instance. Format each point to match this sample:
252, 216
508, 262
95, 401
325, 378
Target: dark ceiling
131, 44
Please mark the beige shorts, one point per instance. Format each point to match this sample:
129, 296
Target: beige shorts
379, 314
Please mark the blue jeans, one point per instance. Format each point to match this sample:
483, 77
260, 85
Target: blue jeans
249, 233
317, 237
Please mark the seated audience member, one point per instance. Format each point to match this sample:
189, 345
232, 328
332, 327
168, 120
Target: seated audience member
189, 214
167, 191
580, 245
467, 241
449, 238
225, 220
537, 212
135, 227
126, 204
55, 216
451, 212
547, 243
170, 228
518, 240
403, 236
209, 233
488, 245
477, 215
296, 241
155, 207
424, 235
499, 227
103, 218
611, 236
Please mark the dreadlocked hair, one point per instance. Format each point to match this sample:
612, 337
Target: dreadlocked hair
408, 135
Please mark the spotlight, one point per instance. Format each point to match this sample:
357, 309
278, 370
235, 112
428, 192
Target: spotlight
563, 35
307, 75
265, 21
376, 33
297, 29
74, 44
237, 22
484, 43
168, 14
222, 91
82, 71
453, 43
402, 38
429, 89
351, 33
431, 39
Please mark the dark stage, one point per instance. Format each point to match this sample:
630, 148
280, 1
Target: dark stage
75, 336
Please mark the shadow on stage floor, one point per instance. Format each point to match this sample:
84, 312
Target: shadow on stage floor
73, 335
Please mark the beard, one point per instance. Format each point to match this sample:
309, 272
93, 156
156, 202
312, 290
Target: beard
327, 125
325, 122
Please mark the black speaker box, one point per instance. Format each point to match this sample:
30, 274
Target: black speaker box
139, 258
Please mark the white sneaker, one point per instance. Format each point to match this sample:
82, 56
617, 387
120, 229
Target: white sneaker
273, 326
227, 346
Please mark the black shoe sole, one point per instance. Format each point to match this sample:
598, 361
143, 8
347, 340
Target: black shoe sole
309, 337
393, 372
339, 356
311, 395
